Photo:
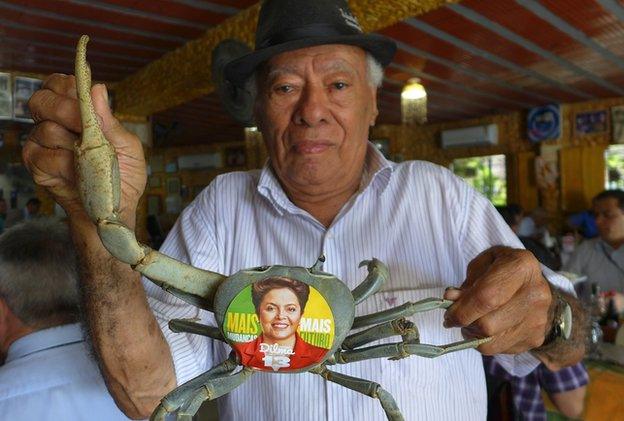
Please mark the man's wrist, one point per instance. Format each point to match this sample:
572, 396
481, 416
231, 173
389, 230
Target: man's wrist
560, 320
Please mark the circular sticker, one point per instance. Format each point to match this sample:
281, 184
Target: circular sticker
279, 324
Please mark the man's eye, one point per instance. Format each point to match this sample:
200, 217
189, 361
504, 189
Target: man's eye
284, 89
340, 85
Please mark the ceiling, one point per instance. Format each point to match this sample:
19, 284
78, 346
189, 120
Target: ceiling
475, 58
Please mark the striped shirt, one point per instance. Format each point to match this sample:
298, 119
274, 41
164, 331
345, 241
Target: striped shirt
418, 218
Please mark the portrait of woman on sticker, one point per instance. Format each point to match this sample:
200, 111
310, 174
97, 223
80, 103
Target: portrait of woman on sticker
280, 303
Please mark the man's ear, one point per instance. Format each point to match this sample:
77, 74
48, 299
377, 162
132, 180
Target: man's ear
375, 110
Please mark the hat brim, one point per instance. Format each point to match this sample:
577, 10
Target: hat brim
239, 70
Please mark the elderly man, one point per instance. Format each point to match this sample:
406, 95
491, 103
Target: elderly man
602, 258
324, 189
48, 373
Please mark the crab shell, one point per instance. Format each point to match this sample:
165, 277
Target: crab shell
333, 290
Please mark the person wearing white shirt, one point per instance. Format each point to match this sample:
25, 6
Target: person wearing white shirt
47, 372
323, 190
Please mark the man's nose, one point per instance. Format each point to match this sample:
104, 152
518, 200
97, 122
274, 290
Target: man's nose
312, 108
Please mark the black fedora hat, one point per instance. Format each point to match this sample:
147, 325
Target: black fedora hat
286, 25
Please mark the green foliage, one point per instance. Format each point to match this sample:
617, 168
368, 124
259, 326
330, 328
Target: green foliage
614, 158
486, 174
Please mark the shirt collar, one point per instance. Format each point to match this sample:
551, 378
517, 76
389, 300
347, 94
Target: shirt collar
43, 339
377, 172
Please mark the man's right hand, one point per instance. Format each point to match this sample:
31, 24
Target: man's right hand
49, 151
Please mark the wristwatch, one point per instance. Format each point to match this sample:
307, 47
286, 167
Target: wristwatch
562, 321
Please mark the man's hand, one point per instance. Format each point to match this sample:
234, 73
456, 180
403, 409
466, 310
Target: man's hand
49, 150
505, 296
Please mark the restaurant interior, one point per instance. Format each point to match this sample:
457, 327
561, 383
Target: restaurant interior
523, 99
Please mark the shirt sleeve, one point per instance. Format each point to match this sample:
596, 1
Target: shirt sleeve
192, 241
563, 380
483, 228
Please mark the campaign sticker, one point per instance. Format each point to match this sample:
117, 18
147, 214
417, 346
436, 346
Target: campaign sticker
279, 324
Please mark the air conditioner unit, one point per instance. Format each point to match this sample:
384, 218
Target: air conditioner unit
470, 136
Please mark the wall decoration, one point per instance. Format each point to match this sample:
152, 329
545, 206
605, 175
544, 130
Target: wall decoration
6, 97
383, 145
235, 156
23, 89
617, 123
592, 122
544, 123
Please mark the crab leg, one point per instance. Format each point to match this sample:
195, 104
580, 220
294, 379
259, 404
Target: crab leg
185, 325
404, 310
99, 185
401, 350
179, 396
401, 326
366, 387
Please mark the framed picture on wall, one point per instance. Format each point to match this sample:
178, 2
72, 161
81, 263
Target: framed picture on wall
593, 122
544, 123
23, 89
6, 97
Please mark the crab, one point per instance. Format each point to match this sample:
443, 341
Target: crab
99, 187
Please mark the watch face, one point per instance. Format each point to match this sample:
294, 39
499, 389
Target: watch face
566, 321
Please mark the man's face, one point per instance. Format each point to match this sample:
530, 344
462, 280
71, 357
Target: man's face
314, 109
609, 219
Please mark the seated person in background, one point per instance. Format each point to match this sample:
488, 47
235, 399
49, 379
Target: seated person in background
512, 214
602, 258
583, 223
566, 389
47, 372
30, 211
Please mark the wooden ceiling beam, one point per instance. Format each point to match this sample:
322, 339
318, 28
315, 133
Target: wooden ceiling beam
184, 74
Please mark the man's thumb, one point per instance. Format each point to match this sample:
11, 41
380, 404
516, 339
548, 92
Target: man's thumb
111, 127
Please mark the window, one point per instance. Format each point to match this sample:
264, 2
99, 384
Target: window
487, 174
614, 166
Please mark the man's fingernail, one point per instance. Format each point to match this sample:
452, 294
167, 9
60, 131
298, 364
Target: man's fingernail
105, 93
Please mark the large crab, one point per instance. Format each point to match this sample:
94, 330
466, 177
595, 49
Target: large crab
99, 185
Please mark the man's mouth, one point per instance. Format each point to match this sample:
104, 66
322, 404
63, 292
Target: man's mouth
310, 147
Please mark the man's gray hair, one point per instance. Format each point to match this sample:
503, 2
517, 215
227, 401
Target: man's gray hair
39, 273
374, 71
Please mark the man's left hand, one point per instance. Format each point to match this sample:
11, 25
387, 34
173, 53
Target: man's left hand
504, 296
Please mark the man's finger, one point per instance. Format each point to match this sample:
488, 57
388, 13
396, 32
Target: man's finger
61, 84
48, 166
478, 301
48, 105
49, 134
500, 320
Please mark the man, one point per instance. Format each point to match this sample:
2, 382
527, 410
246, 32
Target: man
30, 211
47, 372
602, 258
325, 189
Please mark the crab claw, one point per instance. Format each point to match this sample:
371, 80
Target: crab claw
377, 274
